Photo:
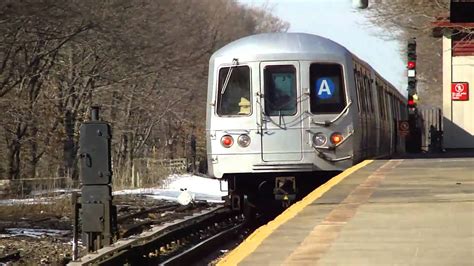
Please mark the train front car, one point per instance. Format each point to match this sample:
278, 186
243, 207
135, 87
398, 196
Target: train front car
279, 116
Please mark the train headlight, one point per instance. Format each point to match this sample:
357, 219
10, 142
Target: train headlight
227, 141
319, 139
243, 140
336, 138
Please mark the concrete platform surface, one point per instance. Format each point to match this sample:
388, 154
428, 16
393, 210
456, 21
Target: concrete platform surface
382, 212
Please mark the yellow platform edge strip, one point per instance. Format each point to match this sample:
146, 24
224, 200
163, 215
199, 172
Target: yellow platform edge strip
256, 238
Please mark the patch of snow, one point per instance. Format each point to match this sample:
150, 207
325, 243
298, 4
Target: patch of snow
29, 201
36, 233
185, 197
137, 191
199, 188
54, 191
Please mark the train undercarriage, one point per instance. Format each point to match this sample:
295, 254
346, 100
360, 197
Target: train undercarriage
268, 193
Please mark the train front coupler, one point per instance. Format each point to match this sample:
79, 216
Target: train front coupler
285, 190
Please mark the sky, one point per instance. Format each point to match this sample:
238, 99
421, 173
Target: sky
339, 21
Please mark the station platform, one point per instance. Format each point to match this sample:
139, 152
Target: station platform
380, 212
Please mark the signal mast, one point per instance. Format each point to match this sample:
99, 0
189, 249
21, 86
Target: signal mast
413, 140
411, 73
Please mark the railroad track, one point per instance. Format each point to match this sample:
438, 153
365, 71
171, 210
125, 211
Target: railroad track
135, 222
176, 242
136, 215
10, 257
194, 253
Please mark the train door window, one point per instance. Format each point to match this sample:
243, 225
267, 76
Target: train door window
234, 99
327, 88
366, 97
394, 106
381, 101
397, 107
357, 88
369, 94
360, 93
390, 99
385, 103
280, 90
365, 100
376, 96
389, 104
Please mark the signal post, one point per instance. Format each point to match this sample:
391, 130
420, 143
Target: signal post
413, 139
94, 206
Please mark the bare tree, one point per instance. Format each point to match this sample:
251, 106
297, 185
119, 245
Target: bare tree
33, 36
144, 61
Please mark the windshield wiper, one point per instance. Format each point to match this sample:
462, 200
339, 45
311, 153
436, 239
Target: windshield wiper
235, 62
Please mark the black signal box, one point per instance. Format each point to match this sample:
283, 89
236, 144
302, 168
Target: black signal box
94, 150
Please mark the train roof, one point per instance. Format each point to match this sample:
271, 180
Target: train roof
287, 46
292, 45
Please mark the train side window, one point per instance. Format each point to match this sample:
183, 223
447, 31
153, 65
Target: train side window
327, 88
280, 90
236, 97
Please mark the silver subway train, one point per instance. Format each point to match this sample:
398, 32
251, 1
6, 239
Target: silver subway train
285, 108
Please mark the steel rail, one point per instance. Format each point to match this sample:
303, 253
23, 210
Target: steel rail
139, 248
189, 256
10, 257
165, 207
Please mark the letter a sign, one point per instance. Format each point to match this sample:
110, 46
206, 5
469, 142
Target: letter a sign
460, 91
325, 88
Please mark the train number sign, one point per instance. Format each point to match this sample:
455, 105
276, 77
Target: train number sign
460, 91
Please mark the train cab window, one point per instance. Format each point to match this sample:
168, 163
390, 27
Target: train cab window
327, 88
234, 99
280, 90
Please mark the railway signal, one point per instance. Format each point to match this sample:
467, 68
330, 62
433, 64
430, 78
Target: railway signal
412, 101
98, 215
411, 66
413, 140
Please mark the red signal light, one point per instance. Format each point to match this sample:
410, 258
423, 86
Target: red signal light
411, 65
411, 103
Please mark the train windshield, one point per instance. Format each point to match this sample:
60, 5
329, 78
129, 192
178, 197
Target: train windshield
235, 99
327, 88
280, 90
